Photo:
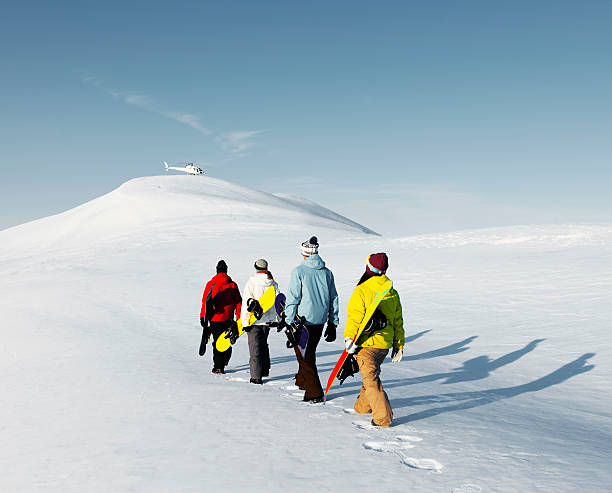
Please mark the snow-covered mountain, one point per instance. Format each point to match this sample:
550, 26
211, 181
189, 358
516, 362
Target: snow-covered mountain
176, 205
504, 385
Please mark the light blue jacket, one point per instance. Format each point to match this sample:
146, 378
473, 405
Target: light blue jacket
312, 293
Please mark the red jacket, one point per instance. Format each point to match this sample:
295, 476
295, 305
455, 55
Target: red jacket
225, 298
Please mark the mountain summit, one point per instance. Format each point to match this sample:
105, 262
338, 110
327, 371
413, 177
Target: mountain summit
149, 205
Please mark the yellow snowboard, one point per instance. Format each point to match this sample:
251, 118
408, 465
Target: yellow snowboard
266, 301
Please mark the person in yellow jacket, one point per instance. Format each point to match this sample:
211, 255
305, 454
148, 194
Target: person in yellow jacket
384, 331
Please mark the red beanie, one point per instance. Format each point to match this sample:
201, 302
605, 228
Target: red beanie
377, 264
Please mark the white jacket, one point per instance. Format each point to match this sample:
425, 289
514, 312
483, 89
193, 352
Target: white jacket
255, 287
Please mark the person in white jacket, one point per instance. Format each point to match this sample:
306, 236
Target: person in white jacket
256, 286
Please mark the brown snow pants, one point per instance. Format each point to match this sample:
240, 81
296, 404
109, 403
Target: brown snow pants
372, 398
307, 377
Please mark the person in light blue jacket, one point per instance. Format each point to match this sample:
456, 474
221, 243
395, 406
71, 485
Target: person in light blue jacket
312, 295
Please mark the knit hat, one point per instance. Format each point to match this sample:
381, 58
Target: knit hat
310, 247
261, 264
221, 266
377, 264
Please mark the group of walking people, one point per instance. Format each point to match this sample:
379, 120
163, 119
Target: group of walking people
312, 297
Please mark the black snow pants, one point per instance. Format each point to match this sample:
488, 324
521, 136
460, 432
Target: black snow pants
220, 359
259, 361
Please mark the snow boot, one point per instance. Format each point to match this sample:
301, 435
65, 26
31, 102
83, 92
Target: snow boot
379, 426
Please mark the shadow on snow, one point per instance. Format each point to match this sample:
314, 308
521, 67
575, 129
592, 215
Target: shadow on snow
473, 369
468, 400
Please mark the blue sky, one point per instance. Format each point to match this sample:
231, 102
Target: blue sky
447, 115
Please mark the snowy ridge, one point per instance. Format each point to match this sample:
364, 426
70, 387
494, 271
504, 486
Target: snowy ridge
149, 205
303, 203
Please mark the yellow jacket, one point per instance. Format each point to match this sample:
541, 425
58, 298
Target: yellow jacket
363, 296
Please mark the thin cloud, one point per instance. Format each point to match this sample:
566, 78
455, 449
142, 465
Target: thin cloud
147, 103
91, 79
236, 143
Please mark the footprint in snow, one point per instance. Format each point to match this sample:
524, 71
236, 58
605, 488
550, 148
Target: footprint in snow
385, 446
276, 383
365, 425
467, 488
295, 396
290, 387
398, 445
430, 464
325, 415
399, 442
408, 438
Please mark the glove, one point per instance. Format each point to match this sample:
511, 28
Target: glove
203, 322
281, 325
396, 355
330, 332
350, 345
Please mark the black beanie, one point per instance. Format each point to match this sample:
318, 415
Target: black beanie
221, 266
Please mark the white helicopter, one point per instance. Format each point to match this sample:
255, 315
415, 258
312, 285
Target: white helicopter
189, 168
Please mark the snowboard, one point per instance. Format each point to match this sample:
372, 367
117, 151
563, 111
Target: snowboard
203, 342
279, 304
385, 288
304, 335
266, 301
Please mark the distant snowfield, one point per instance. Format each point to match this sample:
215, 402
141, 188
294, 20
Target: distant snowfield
504, 386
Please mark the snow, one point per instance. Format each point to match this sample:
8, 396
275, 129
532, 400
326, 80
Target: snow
504, 385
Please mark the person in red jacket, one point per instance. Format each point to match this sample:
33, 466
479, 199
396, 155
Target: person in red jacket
220, 300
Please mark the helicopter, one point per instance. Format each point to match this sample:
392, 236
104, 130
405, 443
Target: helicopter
189, 168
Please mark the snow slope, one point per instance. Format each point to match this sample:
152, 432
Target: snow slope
504, 385
155, 206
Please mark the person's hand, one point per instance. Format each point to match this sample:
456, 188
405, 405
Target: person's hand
350, 345
330, 332
203, 322
396, 355
281, 325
